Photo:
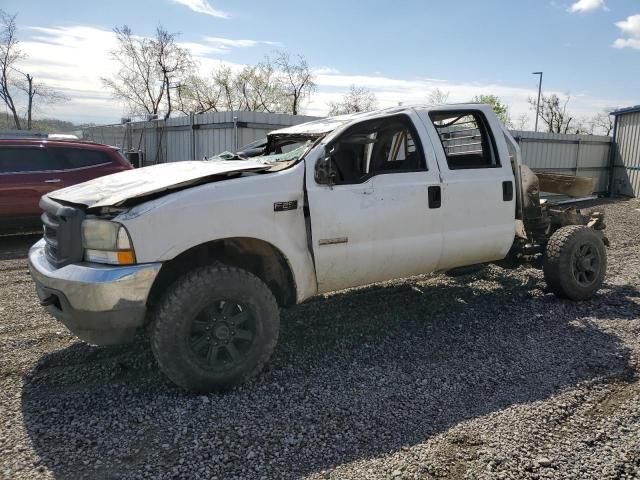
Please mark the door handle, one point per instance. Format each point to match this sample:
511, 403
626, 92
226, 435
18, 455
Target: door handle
435, 196
507, 191
53, 180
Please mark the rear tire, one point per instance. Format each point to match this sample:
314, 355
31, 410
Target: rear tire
575, 262
215, 328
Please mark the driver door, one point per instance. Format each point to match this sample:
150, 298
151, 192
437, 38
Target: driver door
376, 222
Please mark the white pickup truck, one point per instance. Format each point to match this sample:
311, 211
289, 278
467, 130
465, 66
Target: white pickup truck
202, 254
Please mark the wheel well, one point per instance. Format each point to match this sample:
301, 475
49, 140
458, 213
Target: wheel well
256, 256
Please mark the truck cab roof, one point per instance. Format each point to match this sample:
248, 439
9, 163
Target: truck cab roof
326, 125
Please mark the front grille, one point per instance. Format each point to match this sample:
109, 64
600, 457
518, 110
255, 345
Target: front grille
50, 225
61, 226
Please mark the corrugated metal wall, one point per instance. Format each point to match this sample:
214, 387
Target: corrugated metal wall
581, 155
626, 179
175, 140
213, 133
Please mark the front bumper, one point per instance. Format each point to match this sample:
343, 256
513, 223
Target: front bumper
100, 304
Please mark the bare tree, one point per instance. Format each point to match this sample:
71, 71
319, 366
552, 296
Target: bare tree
174, 62
296, 79
15, 84
521, 122
37, 93
224, 79
9, 55
602, 123
554, 113
279, 85
582, 126
438, 96
255, 88
196, 94
149, 69
358, 99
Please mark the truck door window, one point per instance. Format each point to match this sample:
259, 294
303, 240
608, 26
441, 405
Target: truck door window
375, 147
466, 140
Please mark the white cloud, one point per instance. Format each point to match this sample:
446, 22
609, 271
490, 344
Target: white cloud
587, 6
224, 45
74, 58
631, 28
627, 43
202, 6
325, 70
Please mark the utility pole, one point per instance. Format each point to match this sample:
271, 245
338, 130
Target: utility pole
539, 94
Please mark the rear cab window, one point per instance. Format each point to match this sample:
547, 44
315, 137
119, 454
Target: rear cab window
466, 139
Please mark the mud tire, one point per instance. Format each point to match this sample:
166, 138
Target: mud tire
183, 305
575, 262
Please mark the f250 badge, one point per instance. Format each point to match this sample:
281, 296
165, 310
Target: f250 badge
284, 206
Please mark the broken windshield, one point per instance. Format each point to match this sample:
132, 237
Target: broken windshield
284, 152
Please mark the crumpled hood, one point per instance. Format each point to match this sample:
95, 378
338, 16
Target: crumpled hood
113, 190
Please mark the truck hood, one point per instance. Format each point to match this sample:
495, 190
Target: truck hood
122, 187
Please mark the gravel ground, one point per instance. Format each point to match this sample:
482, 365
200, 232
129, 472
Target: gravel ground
481, 376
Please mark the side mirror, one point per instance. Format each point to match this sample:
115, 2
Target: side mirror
325, 172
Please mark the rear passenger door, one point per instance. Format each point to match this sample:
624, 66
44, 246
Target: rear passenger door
478, 189
80, 164
26, 173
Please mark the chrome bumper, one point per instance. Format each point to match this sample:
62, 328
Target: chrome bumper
101, 304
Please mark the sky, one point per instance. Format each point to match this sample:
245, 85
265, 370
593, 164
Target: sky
401, 49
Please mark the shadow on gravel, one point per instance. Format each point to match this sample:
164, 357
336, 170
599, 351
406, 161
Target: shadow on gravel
356, 375
16, 246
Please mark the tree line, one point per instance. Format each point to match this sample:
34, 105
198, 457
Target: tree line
555, 116
156, 76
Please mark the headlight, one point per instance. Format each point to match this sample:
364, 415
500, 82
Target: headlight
106, 242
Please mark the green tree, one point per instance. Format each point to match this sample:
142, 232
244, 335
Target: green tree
501, 109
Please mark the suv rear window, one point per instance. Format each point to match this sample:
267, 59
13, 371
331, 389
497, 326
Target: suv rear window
26, 159
78, 157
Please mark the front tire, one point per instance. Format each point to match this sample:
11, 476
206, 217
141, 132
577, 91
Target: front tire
215, 328
575, 262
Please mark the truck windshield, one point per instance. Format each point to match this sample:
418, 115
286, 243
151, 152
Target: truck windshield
282, 152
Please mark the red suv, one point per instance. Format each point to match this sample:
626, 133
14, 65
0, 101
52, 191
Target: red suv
30, 168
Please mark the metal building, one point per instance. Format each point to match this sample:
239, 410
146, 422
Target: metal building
625, 154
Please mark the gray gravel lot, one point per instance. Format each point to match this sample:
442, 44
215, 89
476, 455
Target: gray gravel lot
480, 376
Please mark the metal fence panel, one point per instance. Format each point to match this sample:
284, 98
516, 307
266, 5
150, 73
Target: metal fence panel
582, 155
627, 156
192, 136
207, 134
